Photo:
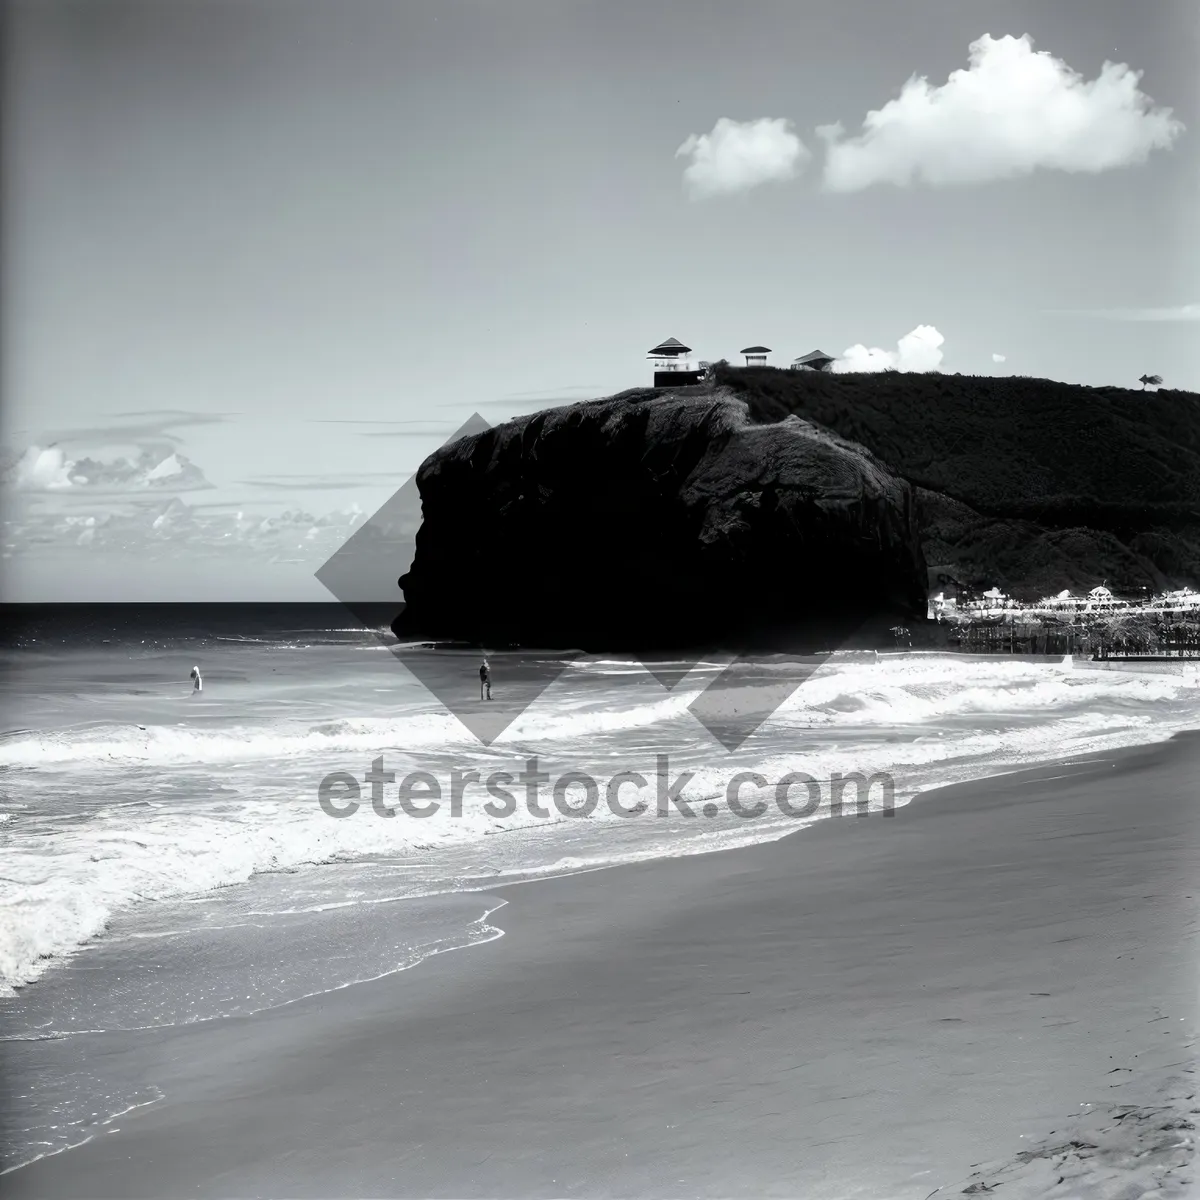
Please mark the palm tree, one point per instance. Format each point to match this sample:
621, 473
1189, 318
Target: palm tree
1152, 380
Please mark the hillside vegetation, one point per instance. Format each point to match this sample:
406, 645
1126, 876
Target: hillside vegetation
1028, 484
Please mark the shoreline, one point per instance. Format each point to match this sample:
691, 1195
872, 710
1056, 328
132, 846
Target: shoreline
9, 990
675, 987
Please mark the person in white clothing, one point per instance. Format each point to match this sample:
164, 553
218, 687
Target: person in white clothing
197, 682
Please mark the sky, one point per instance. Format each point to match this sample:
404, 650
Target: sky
262, 258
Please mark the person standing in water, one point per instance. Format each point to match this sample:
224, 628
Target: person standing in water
485, 679
197, 682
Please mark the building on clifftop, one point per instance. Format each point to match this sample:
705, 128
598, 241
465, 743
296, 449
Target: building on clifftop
672, 367
818, 360
756, 356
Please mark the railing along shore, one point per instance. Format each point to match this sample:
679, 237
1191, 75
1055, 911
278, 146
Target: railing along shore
1143, 636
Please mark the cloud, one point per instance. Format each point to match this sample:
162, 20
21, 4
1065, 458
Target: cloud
589, 388
1012, 111
1179, 312
320, 483
919, 350
121, 500
999, 358
51, 469
427, 431
739, 155
157, 429
41, 469
158, 529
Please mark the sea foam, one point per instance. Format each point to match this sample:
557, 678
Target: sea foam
99, 817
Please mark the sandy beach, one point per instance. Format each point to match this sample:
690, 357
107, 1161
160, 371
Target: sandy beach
994, 988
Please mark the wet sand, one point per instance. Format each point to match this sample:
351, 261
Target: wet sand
996, 987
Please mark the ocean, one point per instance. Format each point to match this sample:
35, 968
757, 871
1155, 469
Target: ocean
167, 859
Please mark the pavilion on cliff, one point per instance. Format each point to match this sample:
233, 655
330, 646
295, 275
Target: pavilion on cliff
672, 367
670, 355
818, 360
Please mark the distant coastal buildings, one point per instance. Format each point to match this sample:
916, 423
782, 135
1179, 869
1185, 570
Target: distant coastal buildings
1160, 628
674, 369
1099, 602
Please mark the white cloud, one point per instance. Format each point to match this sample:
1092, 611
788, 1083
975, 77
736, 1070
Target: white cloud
1180, 312
999, 358
739, 155
43, 470
169, 467
916, 351
1012, 111
51, 469
173, 528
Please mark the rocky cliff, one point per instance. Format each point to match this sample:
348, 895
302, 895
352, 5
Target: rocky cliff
658, 519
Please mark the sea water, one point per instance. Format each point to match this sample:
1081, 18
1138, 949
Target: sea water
166, 859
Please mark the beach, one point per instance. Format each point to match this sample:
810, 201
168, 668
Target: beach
993, 987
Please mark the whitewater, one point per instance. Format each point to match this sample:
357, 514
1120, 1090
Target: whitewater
122, 792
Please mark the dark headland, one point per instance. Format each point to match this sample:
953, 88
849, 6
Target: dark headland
658, 518
774, 507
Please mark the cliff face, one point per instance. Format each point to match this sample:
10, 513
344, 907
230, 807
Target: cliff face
657, 519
